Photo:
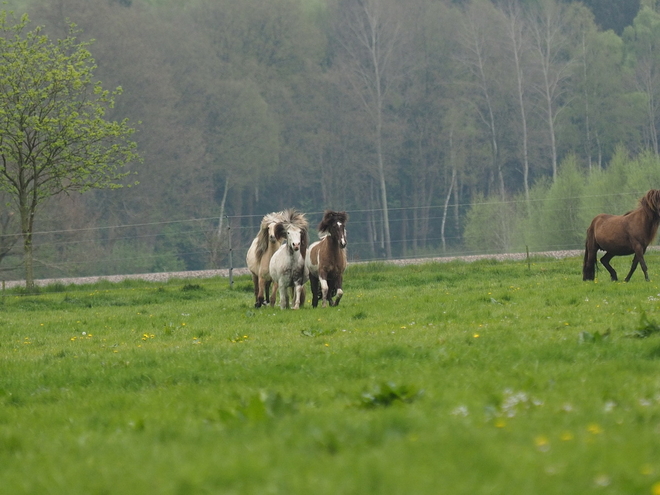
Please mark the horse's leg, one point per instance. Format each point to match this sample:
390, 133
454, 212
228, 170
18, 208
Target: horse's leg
264, 285
605, 260
255, 281
633, 267
638, 258
340, 292
324, 291
298, 296
273, 295
284, 296
323, 279
314, 283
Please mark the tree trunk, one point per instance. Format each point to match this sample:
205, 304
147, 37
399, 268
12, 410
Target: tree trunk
217, 242
450, 191
27, 221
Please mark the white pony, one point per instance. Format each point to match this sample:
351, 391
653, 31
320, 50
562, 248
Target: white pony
258, 257
287, 265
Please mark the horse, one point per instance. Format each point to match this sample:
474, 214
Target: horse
326, 259
258, 257
621, 235
287, 265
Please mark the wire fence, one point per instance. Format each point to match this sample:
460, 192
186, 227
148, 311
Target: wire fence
82, 251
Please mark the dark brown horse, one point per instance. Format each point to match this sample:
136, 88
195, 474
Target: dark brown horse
326, 259
621, 235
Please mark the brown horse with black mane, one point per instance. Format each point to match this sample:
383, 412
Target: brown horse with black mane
326, 259
621, 235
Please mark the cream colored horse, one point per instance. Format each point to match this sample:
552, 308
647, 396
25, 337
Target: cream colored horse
258, 256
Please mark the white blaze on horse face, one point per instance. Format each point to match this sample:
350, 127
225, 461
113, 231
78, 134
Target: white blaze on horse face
271, 232
342, 237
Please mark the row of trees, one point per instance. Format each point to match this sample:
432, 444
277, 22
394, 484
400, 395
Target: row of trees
402, 113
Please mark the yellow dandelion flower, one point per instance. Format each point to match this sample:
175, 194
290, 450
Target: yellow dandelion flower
594, 429
542, 443
655, 489
500, 423
566, 436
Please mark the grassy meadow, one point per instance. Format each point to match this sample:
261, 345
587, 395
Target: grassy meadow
443, 378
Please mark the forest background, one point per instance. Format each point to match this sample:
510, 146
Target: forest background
441, 126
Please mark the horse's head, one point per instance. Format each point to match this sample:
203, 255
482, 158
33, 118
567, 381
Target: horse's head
339, 231
334, 225
272, 236
294, 236
267, 229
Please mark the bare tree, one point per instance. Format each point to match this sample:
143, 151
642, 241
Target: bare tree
644, 36
518, 47
554, 62
369, 35
476, 54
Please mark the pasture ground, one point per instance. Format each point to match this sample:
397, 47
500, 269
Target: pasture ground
459, 378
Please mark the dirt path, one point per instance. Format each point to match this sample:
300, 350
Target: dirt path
164, 277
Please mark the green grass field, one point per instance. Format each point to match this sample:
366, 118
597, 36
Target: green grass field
458, 378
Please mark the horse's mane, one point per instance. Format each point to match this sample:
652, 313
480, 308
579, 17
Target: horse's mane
651, 202
263, 236
295, 218
329, 218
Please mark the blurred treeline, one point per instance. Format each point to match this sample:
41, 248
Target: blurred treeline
441, 126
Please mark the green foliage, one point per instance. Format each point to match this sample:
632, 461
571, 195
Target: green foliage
54, 135
53, 116
559, 212
646, 327
388, 393
561, 226
489, 225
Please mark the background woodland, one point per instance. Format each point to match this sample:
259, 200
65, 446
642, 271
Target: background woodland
440, 126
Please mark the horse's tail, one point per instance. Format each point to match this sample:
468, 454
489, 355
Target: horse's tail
590, 250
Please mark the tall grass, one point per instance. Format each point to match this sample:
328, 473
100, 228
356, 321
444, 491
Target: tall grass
479, 378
